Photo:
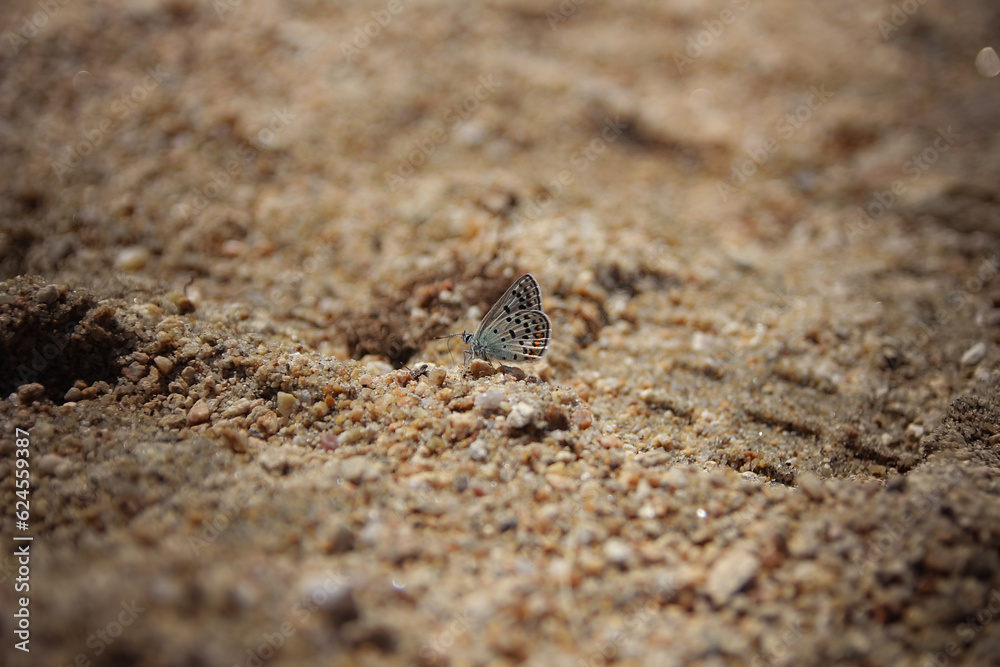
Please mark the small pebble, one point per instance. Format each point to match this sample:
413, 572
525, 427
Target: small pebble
286, 403
29, 393
514, 371
232, 248
731, 572
235, 439
240, 407
480, 368
477, 450
377, 368
618, 552
48, 463
47, 294
521, 415
199, 413
463, 424
437, 376
134, 372
133, 258
609, 441
350, 436
490, 400
268, 423
988, 62
163, 364
974, 354
582, 418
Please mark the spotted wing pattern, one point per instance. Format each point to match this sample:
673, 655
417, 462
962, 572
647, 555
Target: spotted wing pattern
521, 336
524, 294
515, 328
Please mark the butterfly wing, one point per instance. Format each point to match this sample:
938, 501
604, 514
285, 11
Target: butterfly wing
522, 335
524, 294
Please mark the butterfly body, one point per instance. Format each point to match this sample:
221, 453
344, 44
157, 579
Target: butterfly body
515, 328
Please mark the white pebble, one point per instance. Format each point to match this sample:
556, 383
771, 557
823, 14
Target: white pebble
490, 400
133, 258
974, 354
477, 450
377, 368
988, 62
730, 573
521, 415
372, 532
617, 552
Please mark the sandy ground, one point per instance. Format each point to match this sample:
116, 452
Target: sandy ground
766, 430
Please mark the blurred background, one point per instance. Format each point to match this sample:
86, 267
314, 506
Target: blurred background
301, 154
766, 233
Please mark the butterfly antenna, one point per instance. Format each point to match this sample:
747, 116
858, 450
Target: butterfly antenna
449, 336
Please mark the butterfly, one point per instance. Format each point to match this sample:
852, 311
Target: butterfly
515, 328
